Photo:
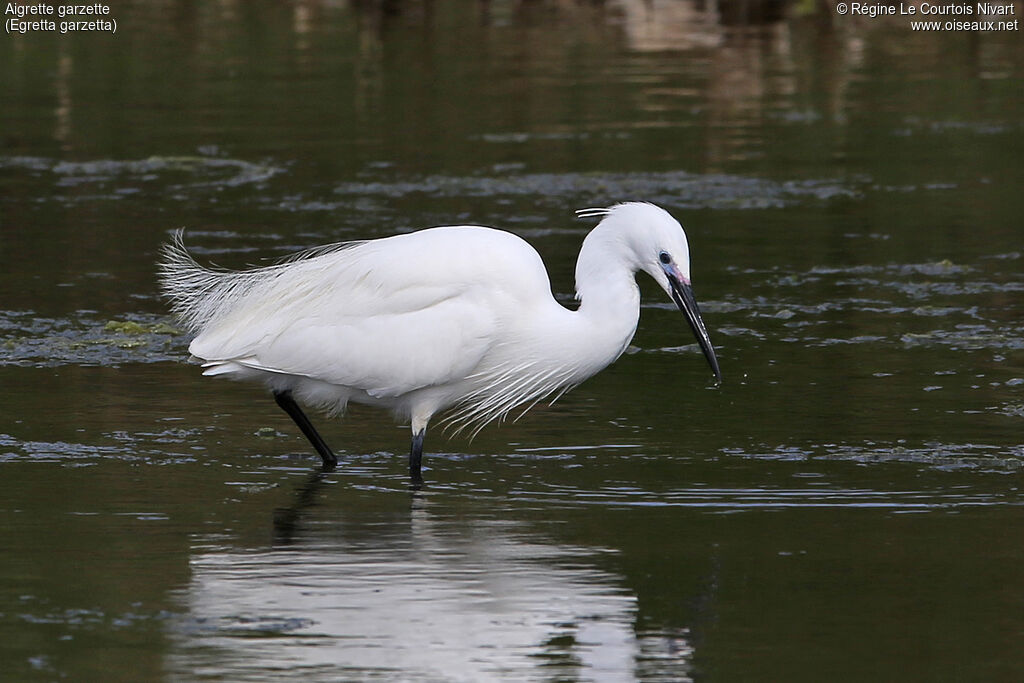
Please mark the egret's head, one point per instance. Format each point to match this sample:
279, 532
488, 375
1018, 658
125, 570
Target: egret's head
655, 243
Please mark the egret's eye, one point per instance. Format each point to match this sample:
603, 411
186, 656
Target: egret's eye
665, 258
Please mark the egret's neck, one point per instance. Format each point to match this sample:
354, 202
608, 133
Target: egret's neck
559, 347
608, 293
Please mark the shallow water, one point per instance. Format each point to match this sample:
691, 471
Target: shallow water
846, 504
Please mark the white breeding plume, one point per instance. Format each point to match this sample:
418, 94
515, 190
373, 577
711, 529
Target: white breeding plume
457, 317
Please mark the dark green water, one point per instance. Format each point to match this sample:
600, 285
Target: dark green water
847, 505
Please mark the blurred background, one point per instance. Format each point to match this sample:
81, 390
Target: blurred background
846, 504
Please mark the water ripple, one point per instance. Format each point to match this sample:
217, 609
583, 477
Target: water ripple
190, 172
673, 188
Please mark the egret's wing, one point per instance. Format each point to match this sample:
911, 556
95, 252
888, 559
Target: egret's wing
387, 316
385, 355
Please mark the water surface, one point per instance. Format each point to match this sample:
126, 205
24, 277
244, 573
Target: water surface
846, 504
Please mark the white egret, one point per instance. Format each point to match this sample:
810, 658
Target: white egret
458, 317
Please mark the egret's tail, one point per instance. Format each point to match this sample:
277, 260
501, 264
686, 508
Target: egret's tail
199, 295
196, 293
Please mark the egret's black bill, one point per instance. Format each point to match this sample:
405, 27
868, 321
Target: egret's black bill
682, 294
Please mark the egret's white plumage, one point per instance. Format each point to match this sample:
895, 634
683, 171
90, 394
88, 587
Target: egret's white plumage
458, 316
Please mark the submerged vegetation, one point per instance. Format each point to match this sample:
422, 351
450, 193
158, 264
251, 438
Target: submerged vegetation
80, 340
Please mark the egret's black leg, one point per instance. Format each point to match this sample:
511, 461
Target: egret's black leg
288, 404
416, 458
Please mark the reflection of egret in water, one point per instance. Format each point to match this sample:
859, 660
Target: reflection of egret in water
287, 520
426, 596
